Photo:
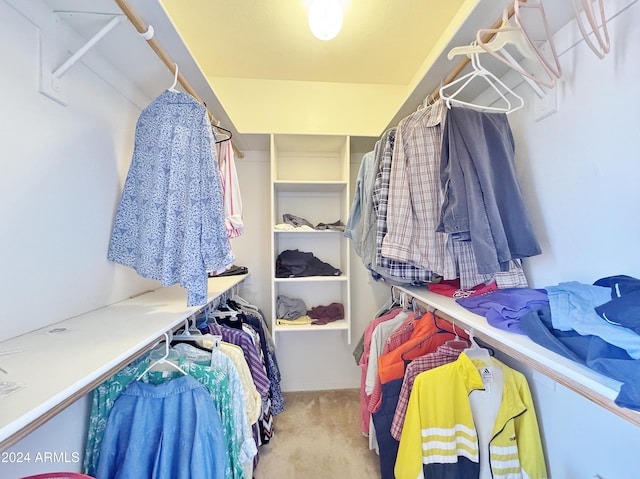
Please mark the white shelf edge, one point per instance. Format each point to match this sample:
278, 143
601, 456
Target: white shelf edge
594, 386
338, 325
310, 279
300, 231
158, 311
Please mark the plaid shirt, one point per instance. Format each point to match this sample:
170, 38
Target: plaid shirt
384, 265
443, 355
415, 195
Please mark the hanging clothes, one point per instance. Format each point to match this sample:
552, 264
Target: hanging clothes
103, 398
444, 354
397, 271
233, 221
415, 195
154, 430
439, 437
226, 392
169, 224
482, 200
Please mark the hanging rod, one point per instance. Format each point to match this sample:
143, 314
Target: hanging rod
435, 94
147, 33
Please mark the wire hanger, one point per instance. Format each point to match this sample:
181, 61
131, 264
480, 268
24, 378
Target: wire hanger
175, 79
225, 136
603, 44
494, 82
162, 360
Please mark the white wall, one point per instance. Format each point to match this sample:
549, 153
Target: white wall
62, 171
579, 170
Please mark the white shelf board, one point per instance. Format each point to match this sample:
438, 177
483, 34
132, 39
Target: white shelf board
309, 232
340, 324
61, 362
289, 186
310, 279
594, 386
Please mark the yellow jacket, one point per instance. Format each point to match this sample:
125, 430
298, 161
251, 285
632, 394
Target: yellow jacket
439, 438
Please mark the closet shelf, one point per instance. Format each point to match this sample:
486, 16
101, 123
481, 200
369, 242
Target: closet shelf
586, 382
289, 186
308, 232
310, 279
338, 325
61, 362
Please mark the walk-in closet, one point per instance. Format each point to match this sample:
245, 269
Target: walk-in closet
240, 244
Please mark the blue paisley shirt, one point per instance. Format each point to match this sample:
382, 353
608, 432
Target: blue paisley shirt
169, 225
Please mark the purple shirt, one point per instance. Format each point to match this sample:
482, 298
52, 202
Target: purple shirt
504, 308
243, 339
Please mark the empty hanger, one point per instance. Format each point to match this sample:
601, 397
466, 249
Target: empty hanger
162, 360
518, 36
603, 45
479, 72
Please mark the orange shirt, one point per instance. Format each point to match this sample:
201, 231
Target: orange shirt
426, 338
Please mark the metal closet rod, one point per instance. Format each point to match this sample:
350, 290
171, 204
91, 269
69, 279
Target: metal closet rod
435, 94
143, 30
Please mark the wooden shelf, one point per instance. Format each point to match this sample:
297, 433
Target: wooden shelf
61, 362
592, 385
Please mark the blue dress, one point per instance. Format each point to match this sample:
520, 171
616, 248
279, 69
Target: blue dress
169, 225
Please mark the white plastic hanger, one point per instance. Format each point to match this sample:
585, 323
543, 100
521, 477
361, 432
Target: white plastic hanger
175, 79
552, 64
603, 45
476, 352
162, 360
494, 82
518, 37
457, 342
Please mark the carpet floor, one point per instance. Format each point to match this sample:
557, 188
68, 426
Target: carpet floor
318, 437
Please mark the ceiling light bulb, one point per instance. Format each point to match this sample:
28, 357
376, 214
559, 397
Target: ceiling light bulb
325, 18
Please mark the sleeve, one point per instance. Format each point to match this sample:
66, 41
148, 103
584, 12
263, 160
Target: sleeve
397, 241
531, 455
409, 458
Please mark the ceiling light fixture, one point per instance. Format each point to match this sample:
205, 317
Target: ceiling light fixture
325, 18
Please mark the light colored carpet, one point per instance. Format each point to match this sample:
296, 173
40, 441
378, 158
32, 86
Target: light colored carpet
318, 437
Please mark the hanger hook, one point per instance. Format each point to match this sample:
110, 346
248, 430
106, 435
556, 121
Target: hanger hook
175, 78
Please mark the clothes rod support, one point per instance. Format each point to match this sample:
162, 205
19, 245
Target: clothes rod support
62, 69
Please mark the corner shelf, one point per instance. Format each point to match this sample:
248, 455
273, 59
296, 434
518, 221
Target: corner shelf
62, 362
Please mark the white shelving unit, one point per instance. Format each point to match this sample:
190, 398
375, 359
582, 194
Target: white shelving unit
310, 179
581, 379
58, 364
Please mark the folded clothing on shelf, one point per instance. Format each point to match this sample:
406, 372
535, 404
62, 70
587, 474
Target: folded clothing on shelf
295, 263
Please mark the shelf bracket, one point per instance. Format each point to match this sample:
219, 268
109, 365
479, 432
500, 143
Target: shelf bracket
52, 83
62, 69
